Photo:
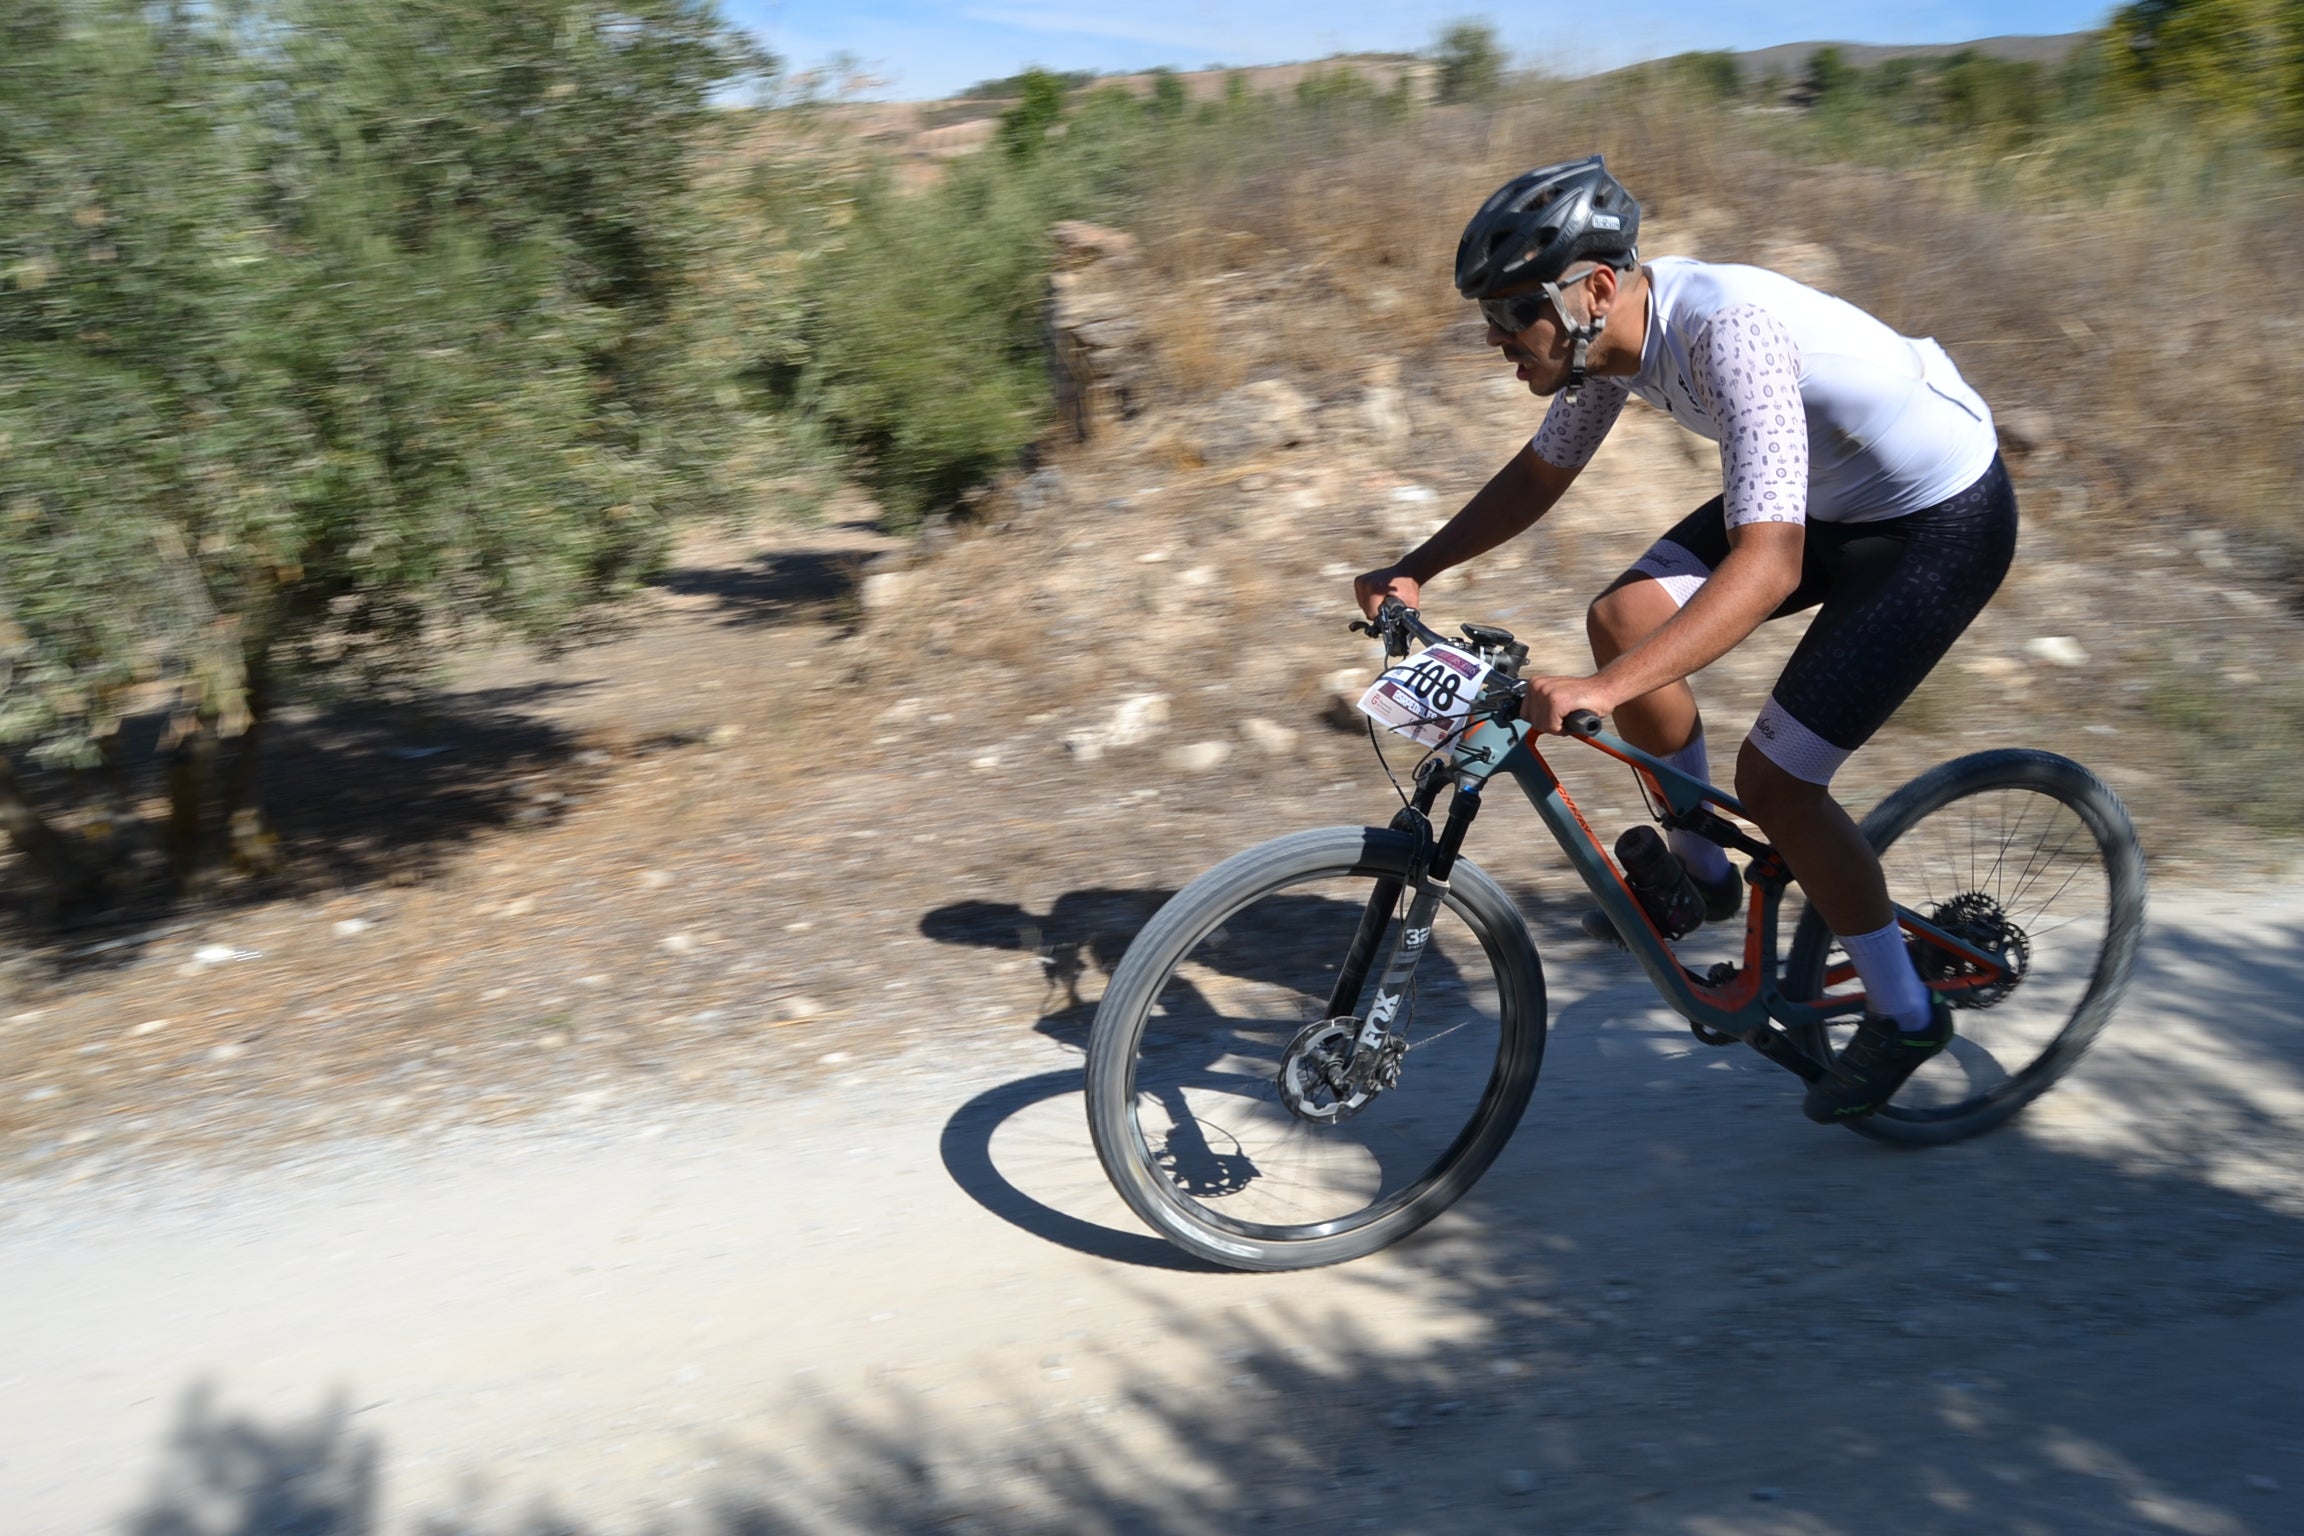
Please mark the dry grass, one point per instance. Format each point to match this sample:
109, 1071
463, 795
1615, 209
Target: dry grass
2156, 329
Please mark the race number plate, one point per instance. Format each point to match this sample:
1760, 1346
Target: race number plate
1427, 697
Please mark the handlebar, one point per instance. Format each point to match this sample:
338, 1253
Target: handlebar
1396, 624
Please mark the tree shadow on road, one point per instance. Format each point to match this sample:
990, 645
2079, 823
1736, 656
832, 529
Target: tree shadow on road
1672, 1307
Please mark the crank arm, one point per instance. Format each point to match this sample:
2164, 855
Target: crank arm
1769, 1039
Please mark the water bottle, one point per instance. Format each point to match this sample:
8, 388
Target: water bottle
1658, 878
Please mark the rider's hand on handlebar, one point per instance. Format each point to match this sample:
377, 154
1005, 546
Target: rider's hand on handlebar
1370, 590
1551, 700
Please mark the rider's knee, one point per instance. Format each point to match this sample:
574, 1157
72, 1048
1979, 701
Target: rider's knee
1768, 791
1624, 615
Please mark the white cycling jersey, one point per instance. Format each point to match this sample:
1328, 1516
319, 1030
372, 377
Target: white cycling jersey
1885, 425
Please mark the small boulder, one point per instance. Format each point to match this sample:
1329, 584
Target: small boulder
1134, 720
2057, 651
1255, 418
2025, 430
1269, 736
1197, 757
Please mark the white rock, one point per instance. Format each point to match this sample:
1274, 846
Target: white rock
1384, 416
677, 943
349, 926
222, 954
884, 589
655, 879
2056, 650
1269, 735
1197, 757
1133, 721
1252, 419
1415, 495
795, 1010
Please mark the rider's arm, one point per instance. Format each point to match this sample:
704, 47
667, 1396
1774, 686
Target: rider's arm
1745, 372
1761, 570
1515, 496
1526, 488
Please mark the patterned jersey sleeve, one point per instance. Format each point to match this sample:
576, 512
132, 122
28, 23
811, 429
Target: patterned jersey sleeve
1572, 431
1745, 372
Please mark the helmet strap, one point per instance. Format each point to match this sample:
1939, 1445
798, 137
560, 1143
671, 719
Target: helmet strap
1580, 339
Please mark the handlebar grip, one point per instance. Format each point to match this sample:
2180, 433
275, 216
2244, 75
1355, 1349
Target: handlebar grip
1581, 722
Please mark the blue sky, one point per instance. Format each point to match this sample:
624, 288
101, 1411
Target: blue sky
926, 48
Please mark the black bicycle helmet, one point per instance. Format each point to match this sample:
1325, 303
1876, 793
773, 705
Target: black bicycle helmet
1542, 222
1532, 230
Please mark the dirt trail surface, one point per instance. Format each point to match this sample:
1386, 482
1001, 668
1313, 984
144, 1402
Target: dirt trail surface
905, 1301
671, 1122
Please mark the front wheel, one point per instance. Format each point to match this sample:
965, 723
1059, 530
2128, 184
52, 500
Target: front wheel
1204, 1068
2027, 855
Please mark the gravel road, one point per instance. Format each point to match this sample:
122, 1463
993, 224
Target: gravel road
903, 1300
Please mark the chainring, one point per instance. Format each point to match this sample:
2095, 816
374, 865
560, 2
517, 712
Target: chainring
1977, 919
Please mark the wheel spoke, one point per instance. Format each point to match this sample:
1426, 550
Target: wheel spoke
1242, 1112
2023, 856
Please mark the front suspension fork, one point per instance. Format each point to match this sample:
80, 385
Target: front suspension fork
1428, 871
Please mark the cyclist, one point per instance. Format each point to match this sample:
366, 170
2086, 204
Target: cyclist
1861, 477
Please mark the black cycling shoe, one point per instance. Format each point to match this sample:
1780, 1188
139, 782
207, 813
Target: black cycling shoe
1877, 1061
1721, 902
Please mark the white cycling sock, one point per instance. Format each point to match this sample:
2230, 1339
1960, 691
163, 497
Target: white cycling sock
1704, 858
1891, 985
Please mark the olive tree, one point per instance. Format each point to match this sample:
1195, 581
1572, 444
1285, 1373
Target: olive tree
329, 331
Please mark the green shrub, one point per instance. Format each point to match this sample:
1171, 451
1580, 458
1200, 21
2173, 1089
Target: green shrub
1471, 62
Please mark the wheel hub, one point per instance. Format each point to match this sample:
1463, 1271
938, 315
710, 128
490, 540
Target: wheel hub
1977, 919
1321, 1081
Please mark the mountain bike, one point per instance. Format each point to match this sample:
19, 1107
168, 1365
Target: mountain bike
1322, 1043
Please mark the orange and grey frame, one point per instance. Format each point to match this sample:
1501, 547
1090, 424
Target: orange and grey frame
1744, 1000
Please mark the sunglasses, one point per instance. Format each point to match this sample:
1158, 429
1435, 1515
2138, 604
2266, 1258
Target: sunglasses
1516, 314
1513, 315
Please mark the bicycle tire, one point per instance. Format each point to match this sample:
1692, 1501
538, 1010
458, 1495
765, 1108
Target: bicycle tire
2063, 1000
1137, 1038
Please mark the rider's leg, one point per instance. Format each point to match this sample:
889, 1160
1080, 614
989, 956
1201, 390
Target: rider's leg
1665, 722
1896, 595
1620, 618
1840, 874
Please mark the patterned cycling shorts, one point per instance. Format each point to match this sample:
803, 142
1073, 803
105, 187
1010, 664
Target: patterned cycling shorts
1894, 595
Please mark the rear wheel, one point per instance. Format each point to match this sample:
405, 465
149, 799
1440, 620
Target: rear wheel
2030, 856
1212, 1070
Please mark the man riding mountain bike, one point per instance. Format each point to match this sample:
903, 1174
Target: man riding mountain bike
1861, 477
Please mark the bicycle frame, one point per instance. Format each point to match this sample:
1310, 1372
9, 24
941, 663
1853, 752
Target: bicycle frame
1743, 1000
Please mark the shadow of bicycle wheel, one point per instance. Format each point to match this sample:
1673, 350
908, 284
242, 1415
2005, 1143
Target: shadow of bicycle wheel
968, 1154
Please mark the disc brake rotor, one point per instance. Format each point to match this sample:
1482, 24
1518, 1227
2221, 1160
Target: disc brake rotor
1317, 1079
